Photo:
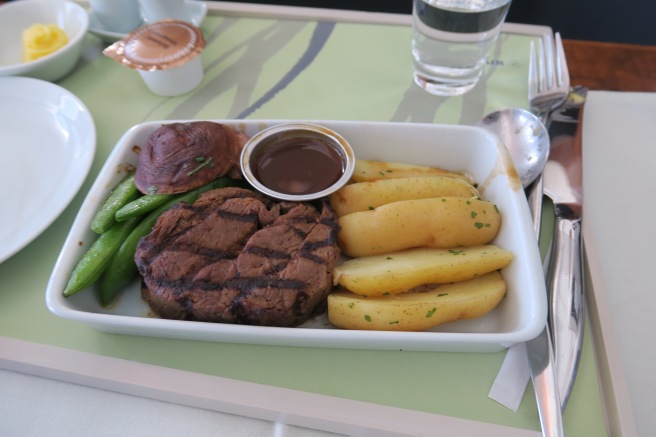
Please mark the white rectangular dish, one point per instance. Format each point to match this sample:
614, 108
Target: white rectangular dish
519, 317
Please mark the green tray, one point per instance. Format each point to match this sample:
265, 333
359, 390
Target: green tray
259, 65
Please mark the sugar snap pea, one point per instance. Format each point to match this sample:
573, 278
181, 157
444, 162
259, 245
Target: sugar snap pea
124, 193
122, 268
96, 259
142, 205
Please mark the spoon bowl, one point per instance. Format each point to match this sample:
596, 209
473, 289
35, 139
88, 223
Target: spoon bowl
525, 137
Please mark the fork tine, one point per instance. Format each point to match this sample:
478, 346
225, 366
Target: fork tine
561, 61
533, 87
543, 83
548, 59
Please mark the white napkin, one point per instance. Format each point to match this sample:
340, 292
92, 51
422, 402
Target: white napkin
510, 384
619, 221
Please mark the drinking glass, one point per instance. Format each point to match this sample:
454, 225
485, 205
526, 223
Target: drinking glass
451, 41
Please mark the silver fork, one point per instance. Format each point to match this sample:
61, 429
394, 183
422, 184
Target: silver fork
548, 89
548, 84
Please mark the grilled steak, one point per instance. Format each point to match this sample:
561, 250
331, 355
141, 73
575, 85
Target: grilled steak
235, 256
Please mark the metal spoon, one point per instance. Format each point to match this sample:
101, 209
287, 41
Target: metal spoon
525, 137
527, 140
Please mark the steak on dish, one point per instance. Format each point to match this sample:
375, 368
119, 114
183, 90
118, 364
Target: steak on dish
235, 256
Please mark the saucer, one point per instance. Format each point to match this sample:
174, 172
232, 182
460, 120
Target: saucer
198, 11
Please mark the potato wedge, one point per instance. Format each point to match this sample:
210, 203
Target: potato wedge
436, 222
397, 272
374, 170
417, 311
364, 196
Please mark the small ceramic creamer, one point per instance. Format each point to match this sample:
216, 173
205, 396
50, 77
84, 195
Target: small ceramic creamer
166, 54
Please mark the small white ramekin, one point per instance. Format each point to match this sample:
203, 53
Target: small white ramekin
166, 54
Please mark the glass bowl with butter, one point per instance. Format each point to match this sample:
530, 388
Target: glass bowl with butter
297, 161
41, 39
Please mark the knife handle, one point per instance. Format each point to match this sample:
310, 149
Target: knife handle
566, 300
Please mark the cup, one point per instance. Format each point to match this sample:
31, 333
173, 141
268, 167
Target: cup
117, 15
451, 40
166, 54
155, 10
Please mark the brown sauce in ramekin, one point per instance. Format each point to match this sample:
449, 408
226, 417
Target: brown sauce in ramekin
298, 166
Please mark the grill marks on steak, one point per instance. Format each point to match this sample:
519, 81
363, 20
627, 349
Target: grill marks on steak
235, 256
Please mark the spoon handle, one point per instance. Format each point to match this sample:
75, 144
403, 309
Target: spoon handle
535, 196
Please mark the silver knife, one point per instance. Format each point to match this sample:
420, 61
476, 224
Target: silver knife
540, 351
563, 184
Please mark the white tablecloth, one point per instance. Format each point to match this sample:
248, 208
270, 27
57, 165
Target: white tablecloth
32, 406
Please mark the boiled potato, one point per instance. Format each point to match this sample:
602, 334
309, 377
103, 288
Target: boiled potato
417, 311
436, 222
363, 196
396, 272
374, 170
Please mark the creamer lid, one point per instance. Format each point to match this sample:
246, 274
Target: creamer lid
158, 46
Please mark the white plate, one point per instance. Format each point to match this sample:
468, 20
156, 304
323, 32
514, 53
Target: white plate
198, 12
520, 316
47, 145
